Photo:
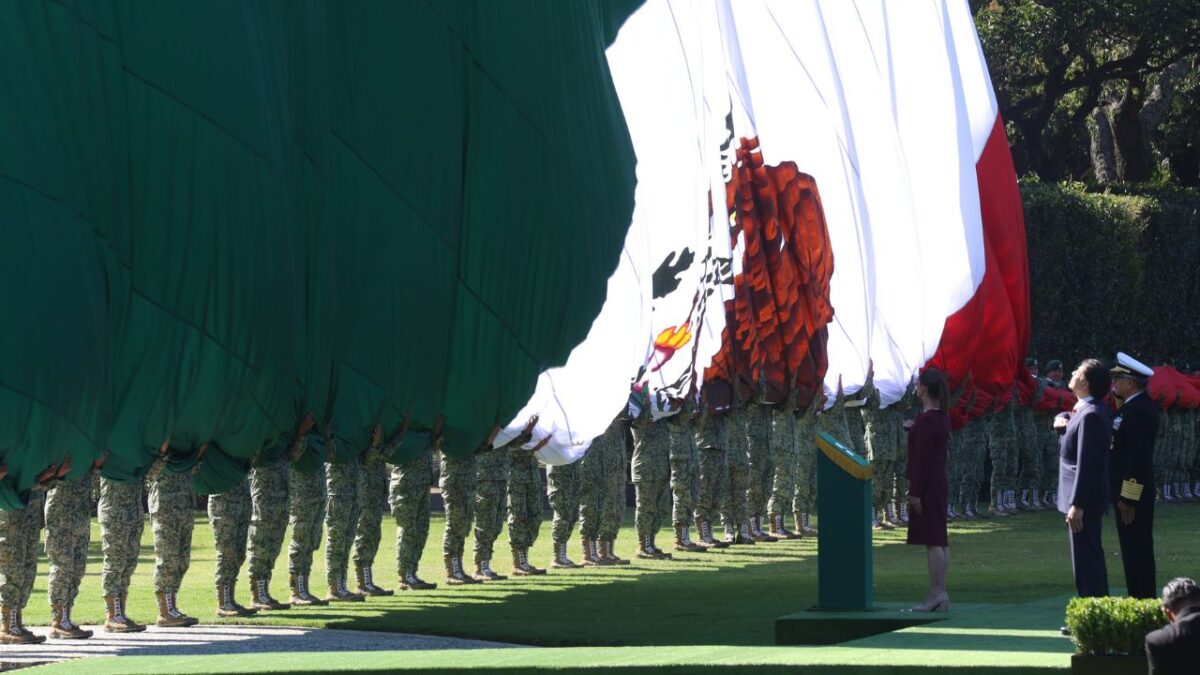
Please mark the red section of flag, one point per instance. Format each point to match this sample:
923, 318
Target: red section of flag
988, 337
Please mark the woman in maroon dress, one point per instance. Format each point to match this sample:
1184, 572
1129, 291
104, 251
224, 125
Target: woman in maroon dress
928, 439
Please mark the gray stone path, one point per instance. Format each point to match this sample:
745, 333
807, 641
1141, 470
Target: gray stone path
228, 639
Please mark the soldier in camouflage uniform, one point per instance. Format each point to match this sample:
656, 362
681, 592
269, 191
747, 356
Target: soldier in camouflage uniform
1028, 444
409, 501
343, 506
1171, 459
172, 499
804, 499
491, 498
762, 471
524, 506
121, 523
602, 475
269, 517
306, 515
712, 438
68, 533
651, 482
907, 408
786, 460
457, 480
562, 483
734, 487
833, 421
373, 491
879, 439
1002, 441
230, 514
684, 460
20, 530
972, 443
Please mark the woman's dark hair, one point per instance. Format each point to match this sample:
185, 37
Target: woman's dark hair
1099, 380
934, 382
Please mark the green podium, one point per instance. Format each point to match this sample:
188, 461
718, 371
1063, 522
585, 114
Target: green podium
845, 607
845, 576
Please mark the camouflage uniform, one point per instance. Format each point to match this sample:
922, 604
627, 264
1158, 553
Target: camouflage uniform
268, 517
306, 515
1002, 441
342, 509
651, 475
804, 499
1029, 443
20, 530
897, 414
602, 480
172, 499
879, 441
856, 429
68, 533
562, 483
409, 501
973, 445
457, 481
121, 523
761, 468
524, 498
373, 490
785, 457
229, 513
712, 437
684, 461
491, 496
734, 511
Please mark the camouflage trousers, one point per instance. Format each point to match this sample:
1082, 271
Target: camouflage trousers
491, 497
121, 523
20, 530
172, 499
306, 515
343, 507
1049, 452
409, 500
562, 488
457, 481
783, 482
373, 491
68, 533
268, 516
804, 499
230, 514
713, 468
761, 466
524, 502
653, 505
1002, 449
602, 483
974, 453
685, 480
1029, 444
734, 511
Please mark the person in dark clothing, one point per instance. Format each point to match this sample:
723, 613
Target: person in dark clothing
1131, 474
928, 486
1175, 648
1083, 475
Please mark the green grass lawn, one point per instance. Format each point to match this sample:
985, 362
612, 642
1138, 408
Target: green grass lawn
729, 597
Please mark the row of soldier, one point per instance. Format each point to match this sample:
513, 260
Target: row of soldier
746, 469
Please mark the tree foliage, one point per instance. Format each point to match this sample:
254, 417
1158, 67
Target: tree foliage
1096, 90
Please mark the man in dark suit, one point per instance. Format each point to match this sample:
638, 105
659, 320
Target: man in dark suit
1175, 649
1131, 473
1083, 475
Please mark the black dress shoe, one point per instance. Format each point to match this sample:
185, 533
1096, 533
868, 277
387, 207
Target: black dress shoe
1065, 631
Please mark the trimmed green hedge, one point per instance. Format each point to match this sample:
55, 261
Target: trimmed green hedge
1104, 626
1113, 271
